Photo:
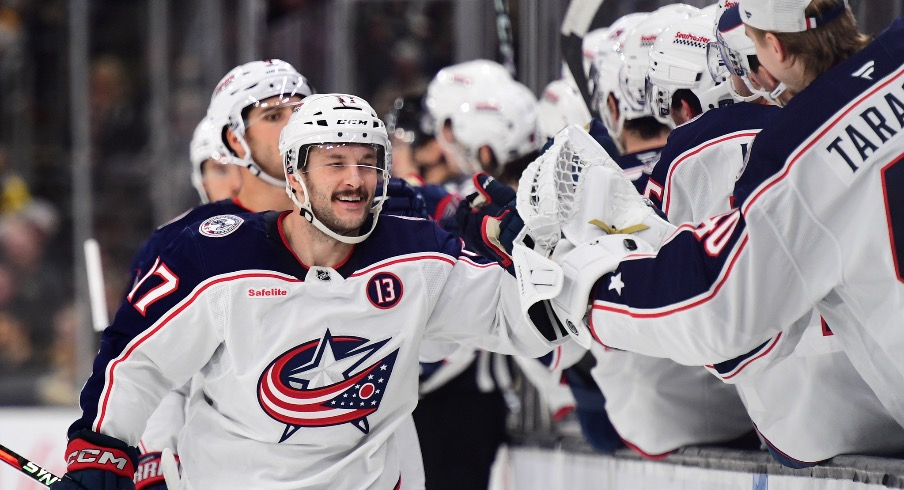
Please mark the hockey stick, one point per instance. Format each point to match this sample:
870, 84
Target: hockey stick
504, 30
579, 17
98, 300
28, 467
170, 470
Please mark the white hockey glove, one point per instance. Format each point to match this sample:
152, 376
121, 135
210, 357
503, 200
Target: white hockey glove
610, 204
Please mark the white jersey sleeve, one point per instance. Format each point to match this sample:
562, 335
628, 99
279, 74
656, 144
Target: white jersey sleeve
166, 422
480, 306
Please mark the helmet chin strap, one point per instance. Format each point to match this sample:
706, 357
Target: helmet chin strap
255, 169
743, 98
776, 93
463, 159
259, 173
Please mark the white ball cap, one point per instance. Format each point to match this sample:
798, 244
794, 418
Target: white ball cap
785, 15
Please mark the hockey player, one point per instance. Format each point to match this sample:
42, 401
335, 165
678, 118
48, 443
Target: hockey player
305, 327
263, 93
213, 180
697, 169
256, 99
790, 399
655, 405
799, 235
484, 120
620, 86
466, 386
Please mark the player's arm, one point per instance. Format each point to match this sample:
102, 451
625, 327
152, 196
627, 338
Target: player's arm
712, 293
162, 432
479, 306
146, 352
748, 366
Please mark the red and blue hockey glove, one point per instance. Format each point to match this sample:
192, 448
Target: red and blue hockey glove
489, 221
98, 462
404, 199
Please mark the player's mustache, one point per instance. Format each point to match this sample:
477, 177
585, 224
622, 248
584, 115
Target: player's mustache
359, 193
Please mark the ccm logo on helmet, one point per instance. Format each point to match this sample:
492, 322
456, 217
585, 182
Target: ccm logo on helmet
352, 122
97, 456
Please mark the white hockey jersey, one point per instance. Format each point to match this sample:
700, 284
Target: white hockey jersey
305, 372
819, 223
808, 404
658, 406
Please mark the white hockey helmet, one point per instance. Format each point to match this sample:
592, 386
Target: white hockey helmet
333, 118
247, 86
206, 144
594, 42
446, 92
502, 116
479, 98
603, 76
734, 53
678, 60
635, 55
561, 105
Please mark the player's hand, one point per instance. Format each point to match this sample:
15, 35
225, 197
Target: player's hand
404, 199
488, 219
98, 462
149, 475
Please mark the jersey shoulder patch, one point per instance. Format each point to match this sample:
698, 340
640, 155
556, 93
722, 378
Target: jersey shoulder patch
220, 226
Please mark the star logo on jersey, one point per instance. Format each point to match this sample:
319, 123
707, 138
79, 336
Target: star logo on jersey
616, 283
325, 382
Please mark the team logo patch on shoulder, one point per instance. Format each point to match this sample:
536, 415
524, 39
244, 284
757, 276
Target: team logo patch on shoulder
221, 225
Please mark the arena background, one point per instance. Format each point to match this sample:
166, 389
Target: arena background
98, 100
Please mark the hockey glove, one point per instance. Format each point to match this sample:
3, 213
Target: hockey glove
582, 267
149, 475
98, 462
404, 199
489, 221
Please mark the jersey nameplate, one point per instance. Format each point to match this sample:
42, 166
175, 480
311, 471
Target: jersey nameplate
220, 226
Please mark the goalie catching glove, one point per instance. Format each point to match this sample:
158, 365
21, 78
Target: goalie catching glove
489, 221
583, 216
98, 462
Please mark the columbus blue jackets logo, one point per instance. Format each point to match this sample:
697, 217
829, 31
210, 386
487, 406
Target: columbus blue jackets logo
221, 225
325, 382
